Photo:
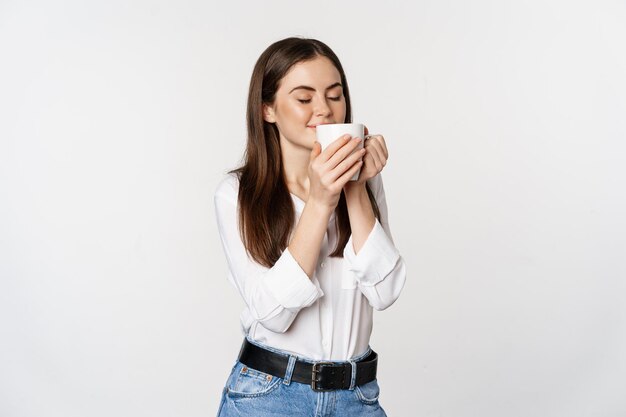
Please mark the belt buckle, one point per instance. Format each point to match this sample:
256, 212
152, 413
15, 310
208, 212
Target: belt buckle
315, 380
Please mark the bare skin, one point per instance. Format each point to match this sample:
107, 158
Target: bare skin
327, 178
308, 95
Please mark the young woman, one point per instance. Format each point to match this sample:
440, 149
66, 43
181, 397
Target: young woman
309, 250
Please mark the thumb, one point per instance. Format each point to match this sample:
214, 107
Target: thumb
317, 149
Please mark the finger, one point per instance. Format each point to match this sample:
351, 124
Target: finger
384, 147
377, 155
317, 149
343, 152
346, 164
349, 173
334, 146
378, 142
368, 161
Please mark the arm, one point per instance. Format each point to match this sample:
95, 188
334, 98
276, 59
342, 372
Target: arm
379, 269
307, 239
274, 295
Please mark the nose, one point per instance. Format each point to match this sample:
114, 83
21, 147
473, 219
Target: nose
322, 108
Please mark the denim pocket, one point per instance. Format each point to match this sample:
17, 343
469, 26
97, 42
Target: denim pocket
368, 393
252, 383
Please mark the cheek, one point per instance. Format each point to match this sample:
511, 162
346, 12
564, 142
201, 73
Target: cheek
340, 111
296, 113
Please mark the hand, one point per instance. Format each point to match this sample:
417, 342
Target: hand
331, 169
375, 158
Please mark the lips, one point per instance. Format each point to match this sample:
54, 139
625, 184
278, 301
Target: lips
314, 126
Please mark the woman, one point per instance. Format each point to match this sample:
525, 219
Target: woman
309, 250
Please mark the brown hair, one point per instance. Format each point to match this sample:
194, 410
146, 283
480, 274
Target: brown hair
266, 210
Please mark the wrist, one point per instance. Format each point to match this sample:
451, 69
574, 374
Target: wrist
319, 208
355, 190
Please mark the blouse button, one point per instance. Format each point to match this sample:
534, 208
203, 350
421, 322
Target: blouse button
322, 264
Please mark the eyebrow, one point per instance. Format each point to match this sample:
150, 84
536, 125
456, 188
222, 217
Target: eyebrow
306, 87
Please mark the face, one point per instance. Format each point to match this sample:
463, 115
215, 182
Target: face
309, 94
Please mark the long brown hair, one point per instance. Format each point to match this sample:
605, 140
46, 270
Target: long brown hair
266, 210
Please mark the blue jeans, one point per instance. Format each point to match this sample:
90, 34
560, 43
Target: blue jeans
249, 392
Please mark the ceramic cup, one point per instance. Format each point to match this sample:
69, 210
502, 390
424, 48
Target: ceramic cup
327, 134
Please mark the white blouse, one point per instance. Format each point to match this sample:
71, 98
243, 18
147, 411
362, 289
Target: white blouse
328, 316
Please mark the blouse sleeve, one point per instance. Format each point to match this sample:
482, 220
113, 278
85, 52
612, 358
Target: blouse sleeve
379, 269
275, 295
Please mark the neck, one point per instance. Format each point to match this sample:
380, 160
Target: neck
296, 167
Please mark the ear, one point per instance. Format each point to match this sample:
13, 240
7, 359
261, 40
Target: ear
268, 114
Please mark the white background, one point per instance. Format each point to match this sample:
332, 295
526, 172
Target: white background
506, 127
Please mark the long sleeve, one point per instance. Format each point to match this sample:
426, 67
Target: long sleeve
275, 295
378, 268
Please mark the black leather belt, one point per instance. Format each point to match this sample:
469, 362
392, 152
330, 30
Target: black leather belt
322, 376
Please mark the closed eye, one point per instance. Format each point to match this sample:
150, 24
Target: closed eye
309, 100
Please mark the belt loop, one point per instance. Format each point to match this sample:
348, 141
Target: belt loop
290, 366
353, 377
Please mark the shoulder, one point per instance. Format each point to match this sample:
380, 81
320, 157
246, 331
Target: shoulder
227, 188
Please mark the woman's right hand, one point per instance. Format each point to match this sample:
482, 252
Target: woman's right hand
331, 169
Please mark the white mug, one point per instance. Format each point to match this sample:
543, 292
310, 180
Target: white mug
328, 133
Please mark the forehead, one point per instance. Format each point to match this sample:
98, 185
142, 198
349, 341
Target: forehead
319, 73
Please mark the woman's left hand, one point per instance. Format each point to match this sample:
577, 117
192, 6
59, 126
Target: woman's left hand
374, 160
